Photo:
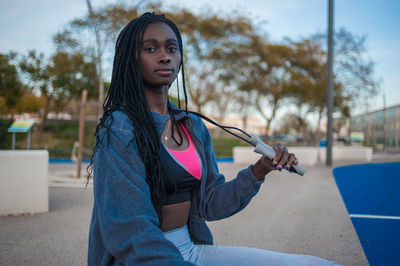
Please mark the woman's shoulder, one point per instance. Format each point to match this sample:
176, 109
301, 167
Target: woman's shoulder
199, 127
197, 122
119, 116
119, 121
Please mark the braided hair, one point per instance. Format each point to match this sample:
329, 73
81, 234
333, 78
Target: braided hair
127, 94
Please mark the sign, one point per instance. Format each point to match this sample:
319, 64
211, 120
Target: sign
357, 136
23, 125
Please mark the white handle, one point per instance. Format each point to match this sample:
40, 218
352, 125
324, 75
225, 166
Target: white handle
269, 152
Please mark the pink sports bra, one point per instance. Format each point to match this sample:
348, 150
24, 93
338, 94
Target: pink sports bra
188, 158
183, 172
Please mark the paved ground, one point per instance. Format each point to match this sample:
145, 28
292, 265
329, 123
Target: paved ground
290, 214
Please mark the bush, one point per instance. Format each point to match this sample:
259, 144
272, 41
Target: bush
223, 146
5, 137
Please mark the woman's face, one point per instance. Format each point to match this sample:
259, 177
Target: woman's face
160, 56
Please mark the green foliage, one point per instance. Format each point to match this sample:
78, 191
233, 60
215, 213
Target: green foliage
5, 137
63, 134
57, 79
29, 103
60, 137
11, 88
223, 147
71, 74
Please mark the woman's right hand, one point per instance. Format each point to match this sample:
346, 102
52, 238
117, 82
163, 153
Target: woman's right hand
282, 160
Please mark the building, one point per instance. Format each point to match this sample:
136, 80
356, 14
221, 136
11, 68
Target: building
380, 129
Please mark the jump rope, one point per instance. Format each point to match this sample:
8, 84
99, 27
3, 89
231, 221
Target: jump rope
259, 146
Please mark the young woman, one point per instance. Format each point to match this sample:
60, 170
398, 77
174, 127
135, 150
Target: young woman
156, 179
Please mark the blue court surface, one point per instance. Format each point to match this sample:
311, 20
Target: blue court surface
371, 193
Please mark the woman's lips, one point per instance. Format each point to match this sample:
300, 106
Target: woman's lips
164, 71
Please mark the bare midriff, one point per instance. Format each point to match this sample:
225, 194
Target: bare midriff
175, 215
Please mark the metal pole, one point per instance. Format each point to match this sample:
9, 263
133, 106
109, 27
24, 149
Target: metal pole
384, 121
13, 141
81, 132
28, 146
397, 127
329, 87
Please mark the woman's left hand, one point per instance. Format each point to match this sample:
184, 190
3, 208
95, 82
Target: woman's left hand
282, 160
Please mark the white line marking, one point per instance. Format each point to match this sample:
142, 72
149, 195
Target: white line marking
374, 216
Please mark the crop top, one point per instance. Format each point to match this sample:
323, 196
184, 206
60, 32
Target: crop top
183, 172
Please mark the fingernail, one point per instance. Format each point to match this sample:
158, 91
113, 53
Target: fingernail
274, 164
286, 168
279, 168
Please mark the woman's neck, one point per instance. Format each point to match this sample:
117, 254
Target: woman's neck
157, 100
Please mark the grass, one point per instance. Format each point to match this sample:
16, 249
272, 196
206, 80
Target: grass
58, 137
5, 137
223, 146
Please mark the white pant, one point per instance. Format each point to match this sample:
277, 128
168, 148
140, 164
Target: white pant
231, 255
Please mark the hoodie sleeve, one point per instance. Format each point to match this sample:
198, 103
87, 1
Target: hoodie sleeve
127, 220
222, 199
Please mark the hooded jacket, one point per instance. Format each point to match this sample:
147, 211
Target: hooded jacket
124, 229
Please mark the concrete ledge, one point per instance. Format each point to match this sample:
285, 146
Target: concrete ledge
308, 156
362, 154
24, 182
245, 155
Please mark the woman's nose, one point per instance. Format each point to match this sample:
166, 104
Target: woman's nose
164, 58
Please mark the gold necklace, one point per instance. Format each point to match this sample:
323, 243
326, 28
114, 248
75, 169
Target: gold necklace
168, 130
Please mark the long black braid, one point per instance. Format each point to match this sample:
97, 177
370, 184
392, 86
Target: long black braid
126, 93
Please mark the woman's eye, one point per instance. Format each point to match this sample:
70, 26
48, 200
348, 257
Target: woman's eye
172, 49
149, 49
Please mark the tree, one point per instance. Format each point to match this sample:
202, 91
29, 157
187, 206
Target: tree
209, 38
37, 71
243, 102
29, 103
11, 88
205, 36
57, 79
99, 27
308, 75
262, 68
70, 75
353, 76
200, 89
351, 67
294, 122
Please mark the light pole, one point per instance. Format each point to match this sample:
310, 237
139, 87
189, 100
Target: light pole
329, 87
384, 121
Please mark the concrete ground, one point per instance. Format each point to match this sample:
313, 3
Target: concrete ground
290, 214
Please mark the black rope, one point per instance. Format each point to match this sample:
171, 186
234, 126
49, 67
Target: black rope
225, 128
184, 88
179, 143
177, 89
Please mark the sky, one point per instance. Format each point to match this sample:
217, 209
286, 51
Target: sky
30, 24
